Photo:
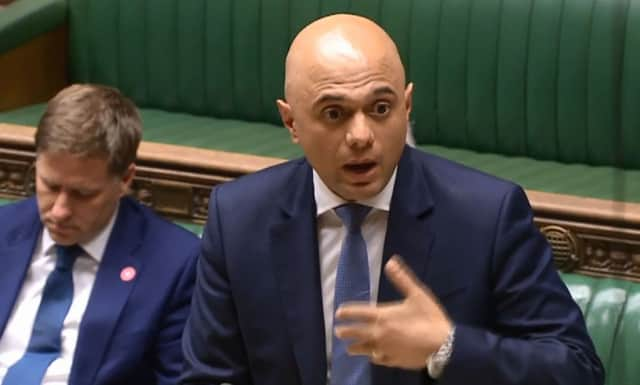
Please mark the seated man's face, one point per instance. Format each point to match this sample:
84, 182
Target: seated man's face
76, 195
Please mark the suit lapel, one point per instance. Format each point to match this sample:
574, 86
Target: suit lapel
16, 258
109, 294
410, 235
409, 229
295, 251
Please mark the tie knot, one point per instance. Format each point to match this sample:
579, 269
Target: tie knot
352, 215
67, 256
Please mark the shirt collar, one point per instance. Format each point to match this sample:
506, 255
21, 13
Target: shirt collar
94, 247
328, 200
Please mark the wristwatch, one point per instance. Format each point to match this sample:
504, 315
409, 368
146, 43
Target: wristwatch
438, 360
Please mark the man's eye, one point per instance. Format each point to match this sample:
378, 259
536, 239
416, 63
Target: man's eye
82, 194
333, 114
51, 187
381, 108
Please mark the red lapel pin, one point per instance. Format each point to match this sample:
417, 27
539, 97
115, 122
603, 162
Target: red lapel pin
128, 274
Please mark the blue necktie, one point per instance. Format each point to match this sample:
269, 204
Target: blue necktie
45, 343
352, 284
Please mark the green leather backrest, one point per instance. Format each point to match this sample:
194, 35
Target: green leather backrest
612, 312
548, 79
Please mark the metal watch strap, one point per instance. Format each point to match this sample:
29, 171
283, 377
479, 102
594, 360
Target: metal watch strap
437, 361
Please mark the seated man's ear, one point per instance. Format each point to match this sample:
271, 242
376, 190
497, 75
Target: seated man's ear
287, 118
127, 179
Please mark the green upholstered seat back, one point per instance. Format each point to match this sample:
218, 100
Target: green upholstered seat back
547, 79
612, 311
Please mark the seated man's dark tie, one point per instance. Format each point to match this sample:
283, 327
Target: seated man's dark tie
352, 284
45, 343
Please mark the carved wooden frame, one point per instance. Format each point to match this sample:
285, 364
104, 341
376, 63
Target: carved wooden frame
588, 236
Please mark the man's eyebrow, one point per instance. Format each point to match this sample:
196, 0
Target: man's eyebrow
339, 97
384, 90
329, 97
82, 190
46, 180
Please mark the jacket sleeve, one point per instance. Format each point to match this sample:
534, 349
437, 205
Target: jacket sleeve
539, 336
212, 343
168, 353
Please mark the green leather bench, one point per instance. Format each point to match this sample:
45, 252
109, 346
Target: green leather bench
612, 311
542, 92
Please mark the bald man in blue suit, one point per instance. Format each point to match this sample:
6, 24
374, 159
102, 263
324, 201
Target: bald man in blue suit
476, 301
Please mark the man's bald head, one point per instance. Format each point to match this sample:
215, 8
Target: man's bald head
334, 42
347, 104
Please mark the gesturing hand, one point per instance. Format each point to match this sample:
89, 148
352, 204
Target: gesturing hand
400, 334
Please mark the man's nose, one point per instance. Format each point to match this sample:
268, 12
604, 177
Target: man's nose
359, 133
61, 208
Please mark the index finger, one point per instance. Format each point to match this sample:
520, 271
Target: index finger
357, 311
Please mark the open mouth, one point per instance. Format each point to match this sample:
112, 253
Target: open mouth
360, 168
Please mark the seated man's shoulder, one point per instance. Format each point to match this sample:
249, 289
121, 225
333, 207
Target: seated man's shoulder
19, 217
24, 206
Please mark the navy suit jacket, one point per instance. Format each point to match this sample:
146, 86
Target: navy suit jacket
130, 332
257, 315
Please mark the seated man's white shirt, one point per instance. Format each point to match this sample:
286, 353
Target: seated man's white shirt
331, 233
16, 336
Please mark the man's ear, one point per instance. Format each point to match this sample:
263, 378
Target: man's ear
127, 179
408, 99
287, 118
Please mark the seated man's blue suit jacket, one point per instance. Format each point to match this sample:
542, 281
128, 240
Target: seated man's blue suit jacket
257, 315
130, 332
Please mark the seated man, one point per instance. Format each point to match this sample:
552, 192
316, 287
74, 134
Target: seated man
476, 301
94, 287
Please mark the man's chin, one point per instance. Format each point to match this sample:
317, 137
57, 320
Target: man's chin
63, 237
361, 191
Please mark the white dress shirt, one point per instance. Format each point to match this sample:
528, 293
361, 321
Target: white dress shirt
331, 233
17, 333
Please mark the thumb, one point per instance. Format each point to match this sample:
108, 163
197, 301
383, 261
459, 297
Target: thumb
402, 277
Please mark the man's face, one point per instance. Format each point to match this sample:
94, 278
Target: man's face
77, 195
351, 120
